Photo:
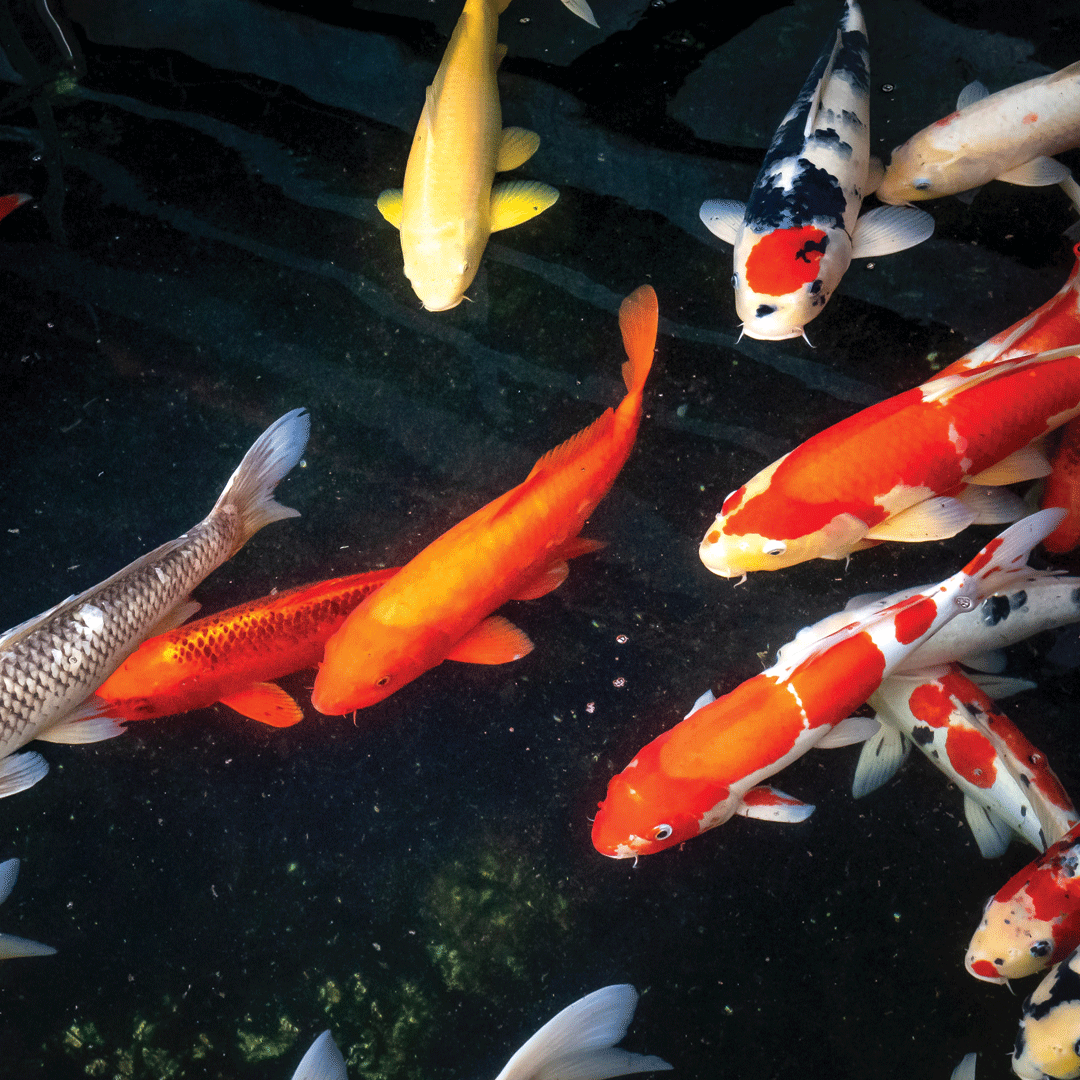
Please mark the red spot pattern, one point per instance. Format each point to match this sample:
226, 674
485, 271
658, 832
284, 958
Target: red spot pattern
785, 260
972, 756
733, 500
946, 119
985, 969
1030, 118
931, 704
914, 621
983, 557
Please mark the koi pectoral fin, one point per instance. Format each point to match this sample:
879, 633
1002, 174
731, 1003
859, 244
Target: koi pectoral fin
494, 641
932, 519
267, 703
888, 229
548, 581
768, 804
1027, 463
389, 204
21, 771
518, 201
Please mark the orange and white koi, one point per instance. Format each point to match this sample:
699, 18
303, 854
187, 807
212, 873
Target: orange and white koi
1009, 788
11, 946
1033, 920
52, 662
232, 657
1004, 136
438, 606
699, 773
801, 228
448, 207
1048, 1043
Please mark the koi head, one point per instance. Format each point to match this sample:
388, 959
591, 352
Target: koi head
441, 265
918, 172
1009, 943
646, 811
783, 278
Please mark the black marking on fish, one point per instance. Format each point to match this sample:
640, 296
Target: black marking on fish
1065, 988
995, 609
815, 287
1018, 599
852, 60
763, 310
922, 735
812, 245
814, 197
1075, 597
831, 135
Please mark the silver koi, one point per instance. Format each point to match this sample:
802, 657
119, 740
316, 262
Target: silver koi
52, 662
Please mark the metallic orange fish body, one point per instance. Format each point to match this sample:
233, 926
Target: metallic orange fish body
232, 656
709, 767
437, 607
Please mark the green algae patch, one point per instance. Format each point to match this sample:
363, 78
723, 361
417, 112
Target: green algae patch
489, 918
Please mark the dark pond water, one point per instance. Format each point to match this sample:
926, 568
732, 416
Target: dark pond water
203, 254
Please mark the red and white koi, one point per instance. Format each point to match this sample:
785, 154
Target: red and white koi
801, 228
1048, 1042
1008, 787
1004, 136
696, 775
1033, 920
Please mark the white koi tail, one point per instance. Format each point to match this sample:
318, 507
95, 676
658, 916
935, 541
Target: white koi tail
1004, 560
251, 488
579, 1043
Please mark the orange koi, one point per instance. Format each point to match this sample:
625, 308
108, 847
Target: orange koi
709, 767
438, 607
232, 657
1063, 489
921, 465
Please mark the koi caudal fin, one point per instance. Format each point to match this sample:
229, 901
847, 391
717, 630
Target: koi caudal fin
251, 488
638, 318
579, 1043
1004, 559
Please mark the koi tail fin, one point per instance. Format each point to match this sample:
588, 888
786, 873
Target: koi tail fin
323, 1061
1004, 559
638, 318
580, 1041
251, 488
582, 10
11, 946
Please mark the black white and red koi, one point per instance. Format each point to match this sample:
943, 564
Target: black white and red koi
799, 231
1048, 1042
1033, 920
696, 775
49, 664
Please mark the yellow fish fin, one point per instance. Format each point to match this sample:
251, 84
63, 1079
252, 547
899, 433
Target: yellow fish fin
1027, 463
494, 641
518, 201
932, 519
516, 146
389, 204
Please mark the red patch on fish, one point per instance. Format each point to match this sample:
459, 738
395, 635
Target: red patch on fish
946, 119
985, 969
1048, 896
733, 500
931, 704
983, 557
1030, 118
785, 260
972, 756
913, 622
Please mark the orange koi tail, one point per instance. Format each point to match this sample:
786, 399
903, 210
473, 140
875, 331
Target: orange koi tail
638, 318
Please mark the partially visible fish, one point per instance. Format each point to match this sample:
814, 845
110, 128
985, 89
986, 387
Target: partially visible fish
1048, 1042
699, 773
1033, 920
1004, 136
801, 228
11, 202
1063, 489
11, 946
575, 1044
231, 657
52, 662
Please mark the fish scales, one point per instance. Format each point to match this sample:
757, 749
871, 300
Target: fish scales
46, 671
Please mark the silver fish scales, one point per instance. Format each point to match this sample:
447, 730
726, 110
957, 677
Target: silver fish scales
52, 662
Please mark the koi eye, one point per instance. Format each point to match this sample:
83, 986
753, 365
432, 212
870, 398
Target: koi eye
922, 185
964, 603
382, 680
776, 549
1041, 948
662, 832
734, 281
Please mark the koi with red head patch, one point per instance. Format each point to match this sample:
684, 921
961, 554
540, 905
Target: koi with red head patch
707, 768
232, 657
801, 228
1033, 920
438, 606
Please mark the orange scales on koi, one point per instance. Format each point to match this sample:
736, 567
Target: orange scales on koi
438, 607
232, 656
711, 766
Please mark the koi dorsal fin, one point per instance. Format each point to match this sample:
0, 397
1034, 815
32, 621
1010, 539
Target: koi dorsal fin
575, 446
638, 321
815, 103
